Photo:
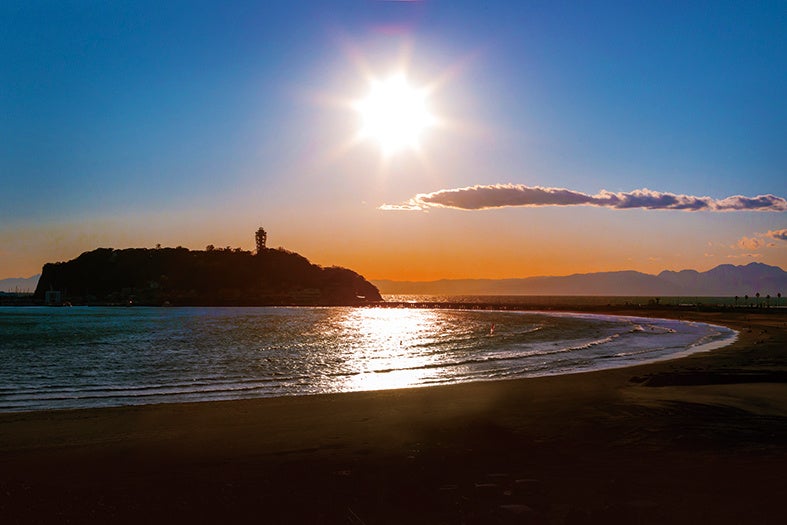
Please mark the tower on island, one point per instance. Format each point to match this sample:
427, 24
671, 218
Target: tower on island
261, 236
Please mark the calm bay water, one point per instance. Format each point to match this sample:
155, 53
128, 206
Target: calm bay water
53, 358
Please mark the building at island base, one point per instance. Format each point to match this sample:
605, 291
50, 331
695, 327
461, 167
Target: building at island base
53, 298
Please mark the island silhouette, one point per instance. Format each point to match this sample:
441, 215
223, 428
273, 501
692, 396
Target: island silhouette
211, 277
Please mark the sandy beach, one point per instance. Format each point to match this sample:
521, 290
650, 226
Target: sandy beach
702, 439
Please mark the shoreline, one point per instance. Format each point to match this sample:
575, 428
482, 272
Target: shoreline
605, 362
702, 437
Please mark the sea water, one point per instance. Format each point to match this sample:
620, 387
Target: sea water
57, 358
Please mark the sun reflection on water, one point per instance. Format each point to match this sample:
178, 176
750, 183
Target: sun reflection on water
392, 347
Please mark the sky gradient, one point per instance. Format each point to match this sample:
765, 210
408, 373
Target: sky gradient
572, 137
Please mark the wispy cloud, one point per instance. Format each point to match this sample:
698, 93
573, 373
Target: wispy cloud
779, 235
761, 240
507, 195
751, 243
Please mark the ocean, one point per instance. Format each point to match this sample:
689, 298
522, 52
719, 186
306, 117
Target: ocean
77, 357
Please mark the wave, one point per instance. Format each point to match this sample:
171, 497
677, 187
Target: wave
591, 344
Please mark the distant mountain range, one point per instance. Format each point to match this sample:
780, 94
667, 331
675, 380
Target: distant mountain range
723, 280
19, 284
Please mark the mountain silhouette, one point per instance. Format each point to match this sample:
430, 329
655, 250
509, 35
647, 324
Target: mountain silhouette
723, 280
19, 284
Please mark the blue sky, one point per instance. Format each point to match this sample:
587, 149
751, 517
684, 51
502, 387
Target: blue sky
192, 123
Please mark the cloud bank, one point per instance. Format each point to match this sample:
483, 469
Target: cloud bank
506, 195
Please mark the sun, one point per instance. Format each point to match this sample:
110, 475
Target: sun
394, 114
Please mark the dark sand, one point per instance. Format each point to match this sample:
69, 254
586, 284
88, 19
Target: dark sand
701, 439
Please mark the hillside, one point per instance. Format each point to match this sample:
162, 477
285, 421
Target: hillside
19, 284
179, 276
723, 280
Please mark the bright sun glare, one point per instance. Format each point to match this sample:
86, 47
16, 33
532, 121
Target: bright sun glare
394, 114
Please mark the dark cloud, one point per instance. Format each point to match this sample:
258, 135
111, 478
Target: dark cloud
505, 195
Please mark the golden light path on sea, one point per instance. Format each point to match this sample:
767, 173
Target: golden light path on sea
392, 354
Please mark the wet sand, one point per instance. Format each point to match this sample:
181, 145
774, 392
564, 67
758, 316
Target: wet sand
702, 439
